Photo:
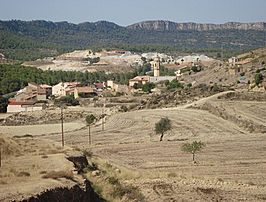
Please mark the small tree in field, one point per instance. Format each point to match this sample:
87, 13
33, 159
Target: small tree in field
193, 148
89, 120
162, 126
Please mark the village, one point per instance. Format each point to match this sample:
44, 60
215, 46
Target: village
218, 103
35, 97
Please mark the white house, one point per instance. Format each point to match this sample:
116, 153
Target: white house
64, 88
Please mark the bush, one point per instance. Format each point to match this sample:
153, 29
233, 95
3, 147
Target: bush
113, 180
67, 100
130, 192
196, 69
147, 87
174, 84
215, 88
137, 85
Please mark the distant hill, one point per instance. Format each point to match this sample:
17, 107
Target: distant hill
160, 25
33, 39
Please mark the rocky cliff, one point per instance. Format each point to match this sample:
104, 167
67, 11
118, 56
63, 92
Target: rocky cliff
161, 25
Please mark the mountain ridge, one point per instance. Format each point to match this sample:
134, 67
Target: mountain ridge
39, 38
162, 25
156, 25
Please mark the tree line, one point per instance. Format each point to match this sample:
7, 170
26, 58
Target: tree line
14, 77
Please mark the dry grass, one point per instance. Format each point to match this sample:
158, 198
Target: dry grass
9, 146
110, 183
59, 174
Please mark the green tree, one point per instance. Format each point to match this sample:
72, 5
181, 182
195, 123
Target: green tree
162, 126
258, 78
147, 87
3, 104
174, 84
193, 148
89, 120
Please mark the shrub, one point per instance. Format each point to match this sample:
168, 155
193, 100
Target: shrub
113, 180
196, 69
88, 153
137, 85
174, 84
131, 193
67, 100
147, 87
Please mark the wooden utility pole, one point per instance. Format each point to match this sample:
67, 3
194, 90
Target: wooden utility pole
62, 126
89, 134
0, 156
103, 110
102, 120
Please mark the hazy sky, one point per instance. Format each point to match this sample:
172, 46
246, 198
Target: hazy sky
125, 12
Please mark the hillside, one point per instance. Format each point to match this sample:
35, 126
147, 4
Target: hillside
28, 40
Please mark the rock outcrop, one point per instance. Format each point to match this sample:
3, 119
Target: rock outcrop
161, 25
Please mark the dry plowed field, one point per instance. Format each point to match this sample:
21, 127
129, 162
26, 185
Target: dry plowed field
232, 166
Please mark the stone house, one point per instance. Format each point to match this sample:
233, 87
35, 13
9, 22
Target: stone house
84, 91
139, 80
26, 99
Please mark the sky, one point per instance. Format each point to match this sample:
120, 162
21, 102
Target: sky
126, 12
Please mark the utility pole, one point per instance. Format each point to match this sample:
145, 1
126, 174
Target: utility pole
0, 156
103, 110
62, 126
102, 120
222, 52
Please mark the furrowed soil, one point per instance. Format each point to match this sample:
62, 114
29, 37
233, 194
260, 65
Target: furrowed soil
232, 166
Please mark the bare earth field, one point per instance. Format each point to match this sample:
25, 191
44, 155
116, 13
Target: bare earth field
232, 166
